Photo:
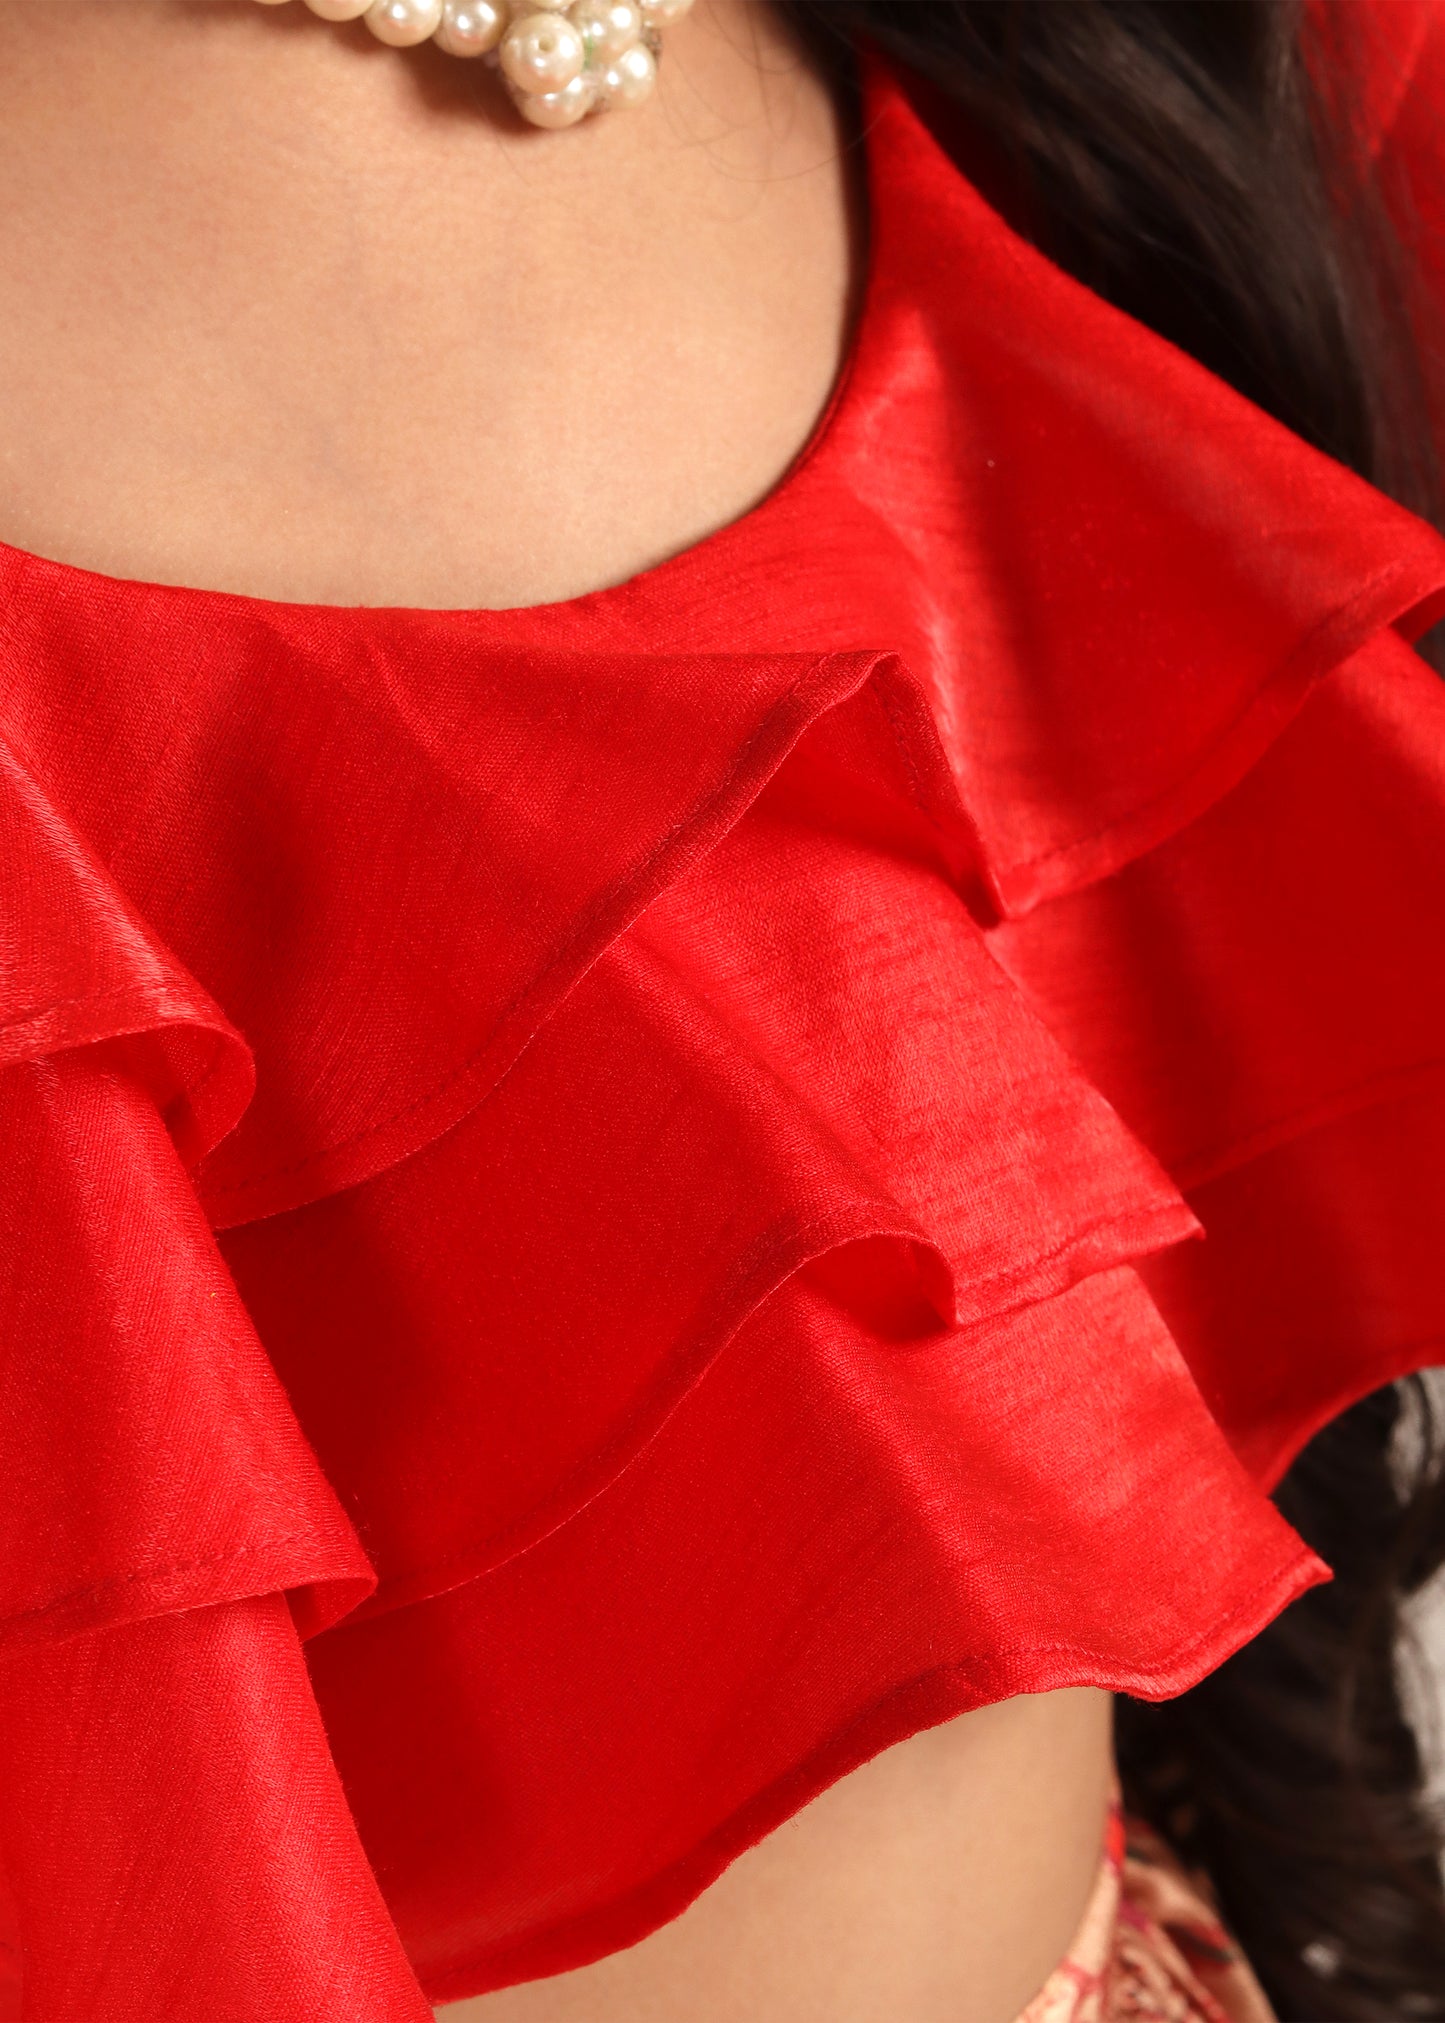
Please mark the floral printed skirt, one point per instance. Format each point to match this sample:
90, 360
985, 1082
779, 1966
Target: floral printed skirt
1150, 1947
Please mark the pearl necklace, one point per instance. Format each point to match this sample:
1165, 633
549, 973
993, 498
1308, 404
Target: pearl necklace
558, 61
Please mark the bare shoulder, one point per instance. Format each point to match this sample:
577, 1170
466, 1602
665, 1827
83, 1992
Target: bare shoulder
288, 313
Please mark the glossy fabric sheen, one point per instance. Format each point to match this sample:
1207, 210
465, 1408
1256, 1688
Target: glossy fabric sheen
609, 1209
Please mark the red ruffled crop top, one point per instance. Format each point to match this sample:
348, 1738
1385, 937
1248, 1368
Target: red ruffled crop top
611, 1208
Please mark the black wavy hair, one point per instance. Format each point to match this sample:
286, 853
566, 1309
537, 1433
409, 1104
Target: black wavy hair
1200, 164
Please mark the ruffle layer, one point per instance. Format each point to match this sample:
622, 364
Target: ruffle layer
803, 1044
169, 1799
1122, 579
1262, 999
855, 1526
695, 1139
157, 1464
83, 969
177, 1842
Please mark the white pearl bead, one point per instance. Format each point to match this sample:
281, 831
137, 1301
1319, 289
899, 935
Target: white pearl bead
543, 53
629, 79
560, 61
607, 27
557, 108
471, 27
403, 22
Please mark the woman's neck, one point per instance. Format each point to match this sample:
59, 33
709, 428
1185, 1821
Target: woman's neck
289, 311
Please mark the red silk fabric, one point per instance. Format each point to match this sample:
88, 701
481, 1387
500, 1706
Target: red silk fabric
609, 1209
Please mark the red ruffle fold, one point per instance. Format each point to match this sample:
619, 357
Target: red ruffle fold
176, 1840
150, 1457
638, 1184
803, 1044
856, 1525
1262, 998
